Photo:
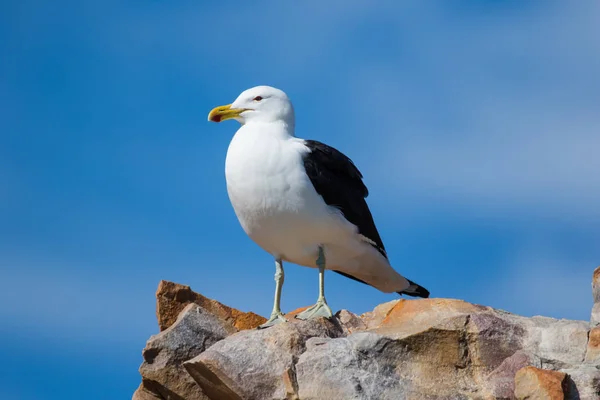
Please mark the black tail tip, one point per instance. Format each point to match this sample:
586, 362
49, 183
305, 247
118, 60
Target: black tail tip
415, 290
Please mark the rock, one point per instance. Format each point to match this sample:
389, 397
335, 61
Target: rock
456, 346
453, 347
595, 318
454, 355
595, 315
403, 349
144, 393
374, 318
361, 366
559, 343
290, 315
501, 381
592, 355
162, 371
582, 383
253, 364
290, 384
350, 321
171, 299
596, 285
539, 384
407, 317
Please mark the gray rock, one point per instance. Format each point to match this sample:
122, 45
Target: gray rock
257, 364
583, 383
595, 315
558, 343
163, 375
350, 321
500, 383
405, 349
595, 318
448, 360
361, 366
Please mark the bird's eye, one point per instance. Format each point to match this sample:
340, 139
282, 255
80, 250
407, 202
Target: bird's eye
258, 98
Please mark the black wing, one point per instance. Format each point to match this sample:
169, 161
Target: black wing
339, 182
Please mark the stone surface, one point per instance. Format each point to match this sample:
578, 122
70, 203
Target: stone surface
559, 343
436, 348
374, 318
539, 384
596, 285
143, 393
501, 381
350, 321
163, 375
252, 364
583, 383
403, 349
361, 366
407, 317
171, 299
592, 355
595, 317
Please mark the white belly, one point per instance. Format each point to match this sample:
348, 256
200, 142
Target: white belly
275, 201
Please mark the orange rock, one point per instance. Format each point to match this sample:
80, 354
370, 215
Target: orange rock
171, 299
374, 318
292, 314
596, 285
412, 316
143, 394
539, 384
594, 339
592, 354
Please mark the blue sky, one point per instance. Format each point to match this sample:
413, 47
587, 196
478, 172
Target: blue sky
475, 123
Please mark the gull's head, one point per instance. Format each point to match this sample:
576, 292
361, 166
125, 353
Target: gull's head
258, 104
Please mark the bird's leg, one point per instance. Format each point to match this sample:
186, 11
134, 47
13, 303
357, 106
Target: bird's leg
321, 309
277, 316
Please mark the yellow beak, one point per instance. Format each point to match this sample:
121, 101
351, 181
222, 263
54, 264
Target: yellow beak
223, 113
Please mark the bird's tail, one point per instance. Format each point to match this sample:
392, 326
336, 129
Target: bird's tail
415, 290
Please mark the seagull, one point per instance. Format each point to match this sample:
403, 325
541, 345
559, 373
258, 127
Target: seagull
302, 201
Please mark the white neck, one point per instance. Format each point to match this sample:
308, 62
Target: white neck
279, 129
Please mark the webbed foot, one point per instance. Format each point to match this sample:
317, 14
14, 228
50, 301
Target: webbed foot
321, 309
277, 317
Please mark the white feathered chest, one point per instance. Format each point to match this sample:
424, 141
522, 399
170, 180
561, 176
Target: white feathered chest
271, 194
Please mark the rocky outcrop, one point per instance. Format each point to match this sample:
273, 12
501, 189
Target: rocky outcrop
171, 299
403, 349
190, 323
